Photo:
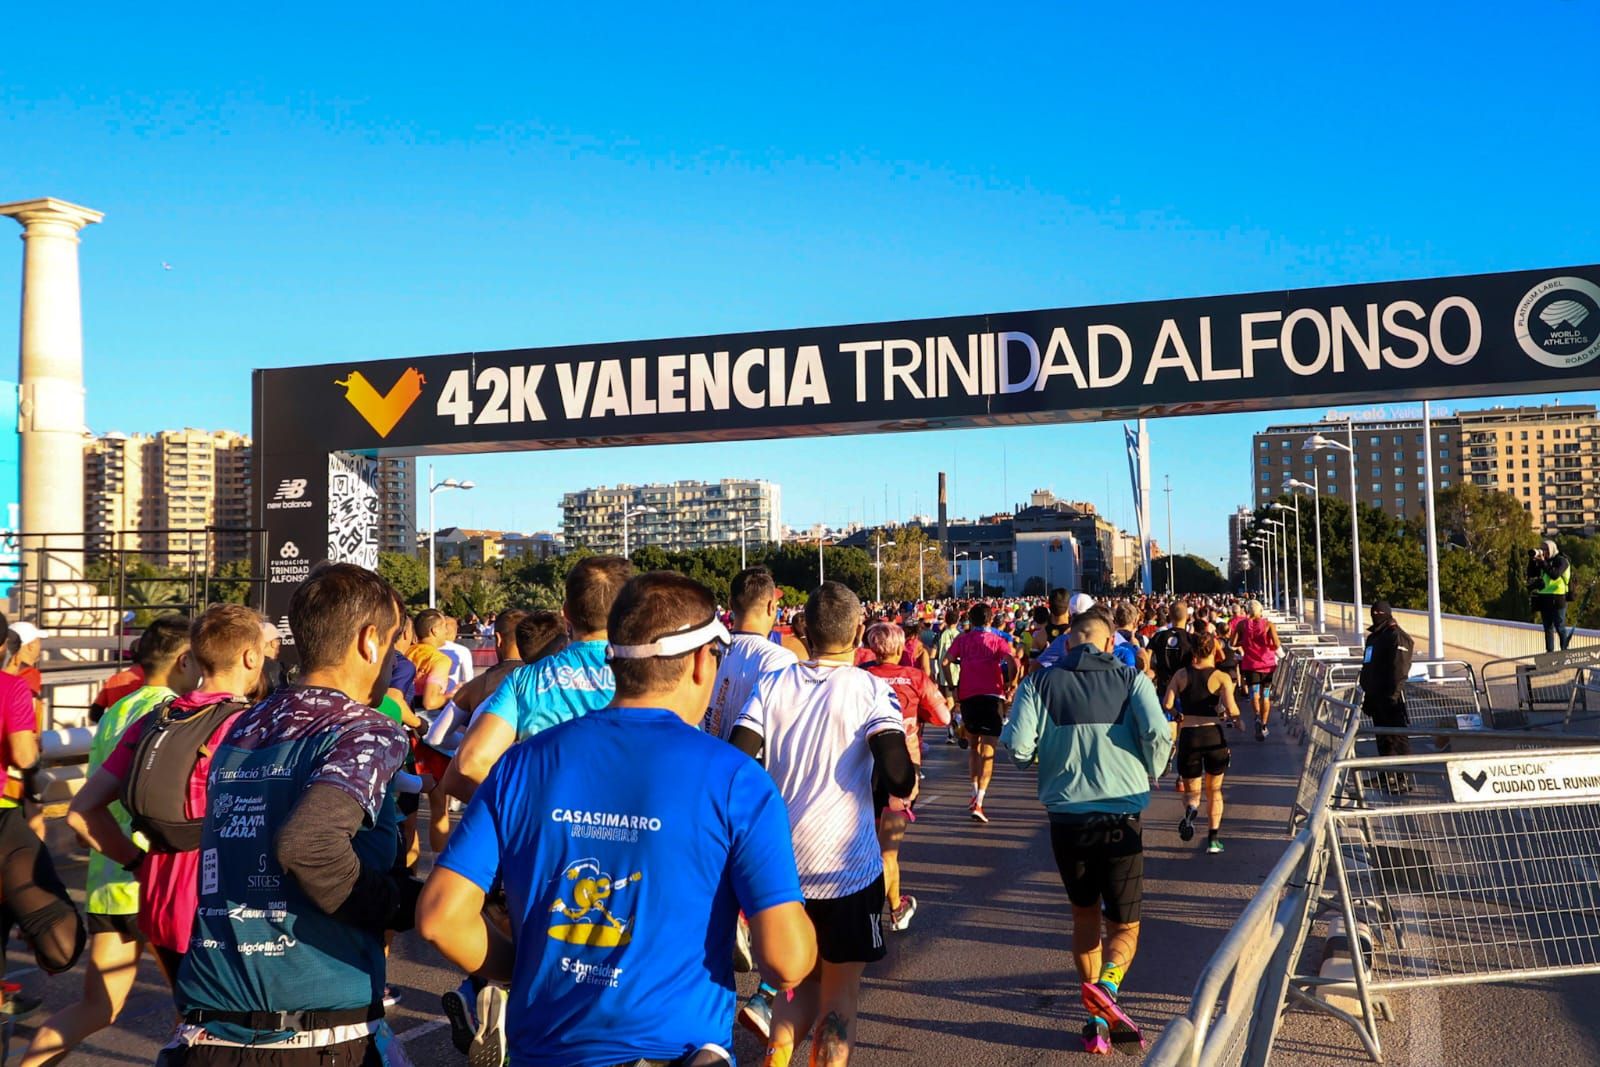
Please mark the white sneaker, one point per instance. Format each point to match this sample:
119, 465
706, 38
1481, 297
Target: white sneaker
744, 960
900, 918
489, 1046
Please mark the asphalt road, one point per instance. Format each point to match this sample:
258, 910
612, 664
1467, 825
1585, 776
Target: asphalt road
984, 976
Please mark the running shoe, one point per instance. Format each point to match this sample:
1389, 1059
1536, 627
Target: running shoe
462, 1015
709, 1055
488, 1048
962, 740
15, 1005
1186, 825
1102, 1003
1214, 846
950, 736
391, 996
900, 918
1261, 731
1097, 1038
756, 1015
743, 960
977, 814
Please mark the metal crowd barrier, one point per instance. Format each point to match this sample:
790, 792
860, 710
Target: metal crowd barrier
1542, 684
1457, 869
1330, 736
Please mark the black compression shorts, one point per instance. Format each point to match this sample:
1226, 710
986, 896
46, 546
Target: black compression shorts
1101, 860
1202, 750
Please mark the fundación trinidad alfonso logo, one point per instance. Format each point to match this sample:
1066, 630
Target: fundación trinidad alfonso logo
1558, 322
383, 410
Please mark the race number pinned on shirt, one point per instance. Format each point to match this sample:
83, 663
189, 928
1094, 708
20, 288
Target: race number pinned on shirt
1560, 777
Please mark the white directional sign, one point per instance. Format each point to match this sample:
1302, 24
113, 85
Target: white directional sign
1478, 781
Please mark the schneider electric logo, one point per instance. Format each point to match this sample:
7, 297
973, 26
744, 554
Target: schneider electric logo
290, 496
1558, 322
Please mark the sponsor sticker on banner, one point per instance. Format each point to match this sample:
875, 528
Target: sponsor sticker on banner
1561, 777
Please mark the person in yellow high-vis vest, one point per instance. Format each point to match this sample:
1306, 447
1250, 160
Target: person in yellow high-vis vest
1549, 579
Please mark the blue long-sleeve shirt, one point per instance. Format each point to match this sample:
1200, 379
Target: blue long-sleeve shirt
1097, 730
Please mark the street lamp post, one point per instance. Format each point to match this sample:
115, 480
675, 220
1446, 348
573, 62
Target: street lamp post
433, 489
1316, 520
742, 531
1315, 443
822, 539
1280, 535
627, 514
982, 589
954, 579
878, 566
921, 557
1299, 568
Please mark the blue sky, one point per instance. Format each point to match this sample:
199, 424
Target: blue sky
353, 181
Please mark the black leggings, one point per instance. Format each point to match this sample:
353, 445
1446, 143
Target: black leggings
32, 896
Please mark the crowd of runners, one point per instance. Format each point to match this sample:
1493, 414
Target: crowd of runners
647, 793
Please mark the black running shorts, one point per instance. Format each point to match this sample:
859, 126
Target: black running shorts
980, 716
1101, 859
850, 929
1202, 750
1262, 680
124, 926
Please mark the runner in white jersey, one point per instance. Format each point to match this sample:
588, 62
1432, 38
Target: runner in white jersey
825, 726
752, 653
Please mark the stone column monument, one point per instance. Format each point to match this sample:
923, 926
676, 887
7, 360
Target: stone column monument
51, 403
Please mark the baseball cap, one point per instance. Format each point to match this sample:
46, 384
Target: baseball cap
1080, 603
27, 632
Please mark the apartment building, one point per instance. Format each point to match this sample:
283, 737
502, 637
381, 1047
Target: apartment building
172, 497
1543, 456
678, 516
397, 504
113, 492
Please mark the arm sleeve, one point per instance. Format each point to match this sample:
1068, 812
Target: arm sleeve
761, 856
315, 849
1155, 734
1021, 733
892, 760
473, 850
753, 716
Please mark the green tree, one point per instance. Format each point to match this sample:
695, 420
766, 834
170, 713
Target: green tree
408, 575
1193, 574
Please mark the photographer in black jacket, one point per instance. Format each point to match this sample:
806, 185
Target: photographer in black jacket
1385, 663
1549, 577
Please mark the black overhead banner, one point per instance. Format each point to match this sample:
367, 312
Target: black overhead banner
1435, 338
1439, 338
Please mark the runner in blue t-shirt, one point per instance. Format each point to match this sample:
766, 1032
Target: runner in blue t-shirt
563, 687
297, 880
628, 841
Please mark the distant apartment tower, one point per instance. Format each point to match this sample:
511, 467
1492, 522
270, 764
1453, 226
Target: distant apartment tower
1545, 457
681, 515
113, 492
397, 504
175, 497
1389, 461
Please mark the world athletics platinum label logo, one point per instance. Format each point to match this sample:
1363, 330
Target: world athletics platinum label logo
1558, 322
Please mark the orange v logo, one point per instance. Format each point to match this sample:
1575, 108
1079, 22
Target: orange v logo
383, 411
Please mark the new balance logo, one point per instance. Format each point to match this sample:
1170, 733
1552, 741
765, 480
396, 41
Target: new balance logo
291, 495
